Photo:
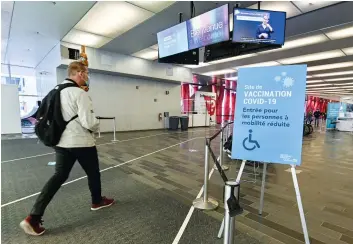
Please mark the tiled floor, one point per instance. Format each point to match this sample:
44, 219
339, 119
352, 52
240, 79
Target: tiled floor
156, 175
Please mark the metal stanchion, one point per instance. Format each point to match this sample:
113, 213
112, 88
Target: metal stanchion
231, 208
221, 153
205, 202
263, 188
236, 182
114, 126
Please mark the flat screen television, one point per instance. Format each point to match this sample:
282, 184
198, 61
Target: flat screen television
172, 40
208, 28
259, 26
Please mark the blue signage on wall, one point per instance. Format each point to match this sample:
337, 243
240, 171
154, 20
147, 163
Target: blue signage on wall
333, 110
268, 124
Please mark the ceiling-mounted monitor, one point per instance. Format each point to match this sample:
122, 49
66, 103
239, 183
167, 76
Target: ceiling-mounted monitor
172, 40
259, 26
208, 28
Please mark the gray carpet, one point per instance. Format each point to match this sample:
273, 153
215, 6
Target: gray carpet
141, 215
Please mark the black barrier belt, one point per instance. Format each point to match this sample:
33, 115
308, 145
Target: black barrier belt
208, 143
105, 117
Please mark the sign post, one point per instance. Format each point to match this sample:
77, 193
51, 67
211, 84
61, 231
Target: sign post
269, 118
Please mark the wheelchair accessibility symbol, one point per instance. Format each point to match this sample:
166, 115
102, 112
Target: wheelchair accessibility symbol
248, 140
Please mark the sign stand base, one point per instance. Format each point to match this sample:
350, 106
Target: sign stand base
300, 205
298, 196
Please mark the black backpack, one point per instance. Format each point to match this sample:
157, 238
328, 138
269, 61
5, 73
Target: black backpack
50, 121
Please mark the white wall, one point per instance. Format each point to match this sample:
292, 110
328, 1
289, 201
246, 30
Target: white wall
10, 110
133, 108
113, 62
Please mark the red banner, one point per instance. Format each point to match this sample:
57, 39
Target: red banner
210, 105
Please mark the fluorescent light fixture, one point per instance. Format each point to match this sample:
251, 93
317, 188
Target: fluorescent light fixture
330, 66
343, 84
334, 74
309, 86
264, 64
233, 58
341, 33
87, 39
155, 47
112, 18
147, 53
346, 87
314, 81
300, 42
219, 72
339, 79
153, 6
304, 41
313, 57
331, 88
348, 50
191, 66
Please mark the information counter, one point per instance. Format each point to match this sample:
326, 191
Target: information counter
344, 124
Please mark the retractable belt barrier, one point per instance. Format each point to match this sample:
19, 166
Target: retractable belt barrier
114, 126
230, 192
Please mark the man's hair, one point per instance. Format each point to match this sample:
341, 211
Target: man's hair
75, 67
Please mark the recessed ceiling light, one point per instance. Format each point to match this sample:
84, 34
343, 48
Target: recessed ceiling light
264, 64
334, 74
147, 53
219, 72
330, 66
348, 50
155, 47
153, 6
326, 88
345, 87
341, 33
314, 81
308, 86
312, 57
339, 79
84, 38
233, 58
344, 84
304, 41
112, 18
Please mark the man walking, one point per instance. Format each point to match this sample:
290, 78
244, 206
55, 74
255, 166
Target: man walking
317, 115
76, 143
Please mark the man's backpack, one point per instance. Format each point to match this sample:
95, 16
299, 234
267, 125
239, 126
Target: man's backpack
50, 121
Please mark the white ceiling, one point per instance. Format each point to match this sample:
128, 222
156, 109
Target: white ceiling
131, 27
36, 27
107, 20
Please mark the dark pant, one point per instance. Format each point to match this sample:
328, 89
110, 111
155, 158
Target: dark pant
317, 121
65, 160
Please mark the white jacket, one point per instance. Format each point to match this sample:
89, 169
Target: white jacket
75, 101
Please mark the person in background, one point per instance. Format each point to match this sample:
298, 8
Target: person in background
76, 143
317, 115
264, 30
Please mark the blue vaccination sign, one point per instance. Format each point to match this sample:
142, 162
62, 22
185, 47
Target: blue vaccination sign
173, 40
268, 123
